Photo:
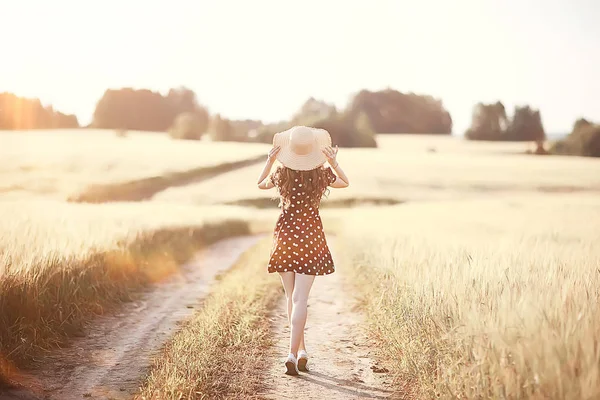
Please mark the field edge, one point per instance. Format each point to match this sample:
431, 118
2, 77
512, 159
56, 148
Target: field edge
44, 312
219, 352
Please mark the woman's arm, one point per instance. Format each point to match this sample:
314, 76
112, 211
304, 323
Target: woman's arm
342, 180
263, 182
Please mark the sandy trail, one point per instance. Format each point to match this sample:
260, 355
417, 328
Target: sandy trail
339, 351
111, 361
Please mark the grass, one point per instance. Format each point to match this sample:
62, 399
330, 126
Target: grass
489, 298
217, 354
145, 188
70, 262
60, 164
403, 169
488, 289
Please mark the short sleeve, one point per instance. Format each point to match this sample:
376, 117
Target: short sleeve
330, 176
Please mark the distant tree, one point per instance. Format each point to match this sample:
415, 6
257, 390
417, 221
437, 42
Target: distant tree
188, 126
489, 122
345, 129
584, 140
313, 109
526, 125
265, 133
390, 111
244, 128
63, 121
23, 113
146, 110
221, 129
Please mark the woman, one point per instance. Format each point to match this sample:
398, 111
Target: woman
300, 251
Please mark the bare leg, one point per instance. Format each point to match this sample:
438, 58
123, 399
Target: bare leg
288, 279
302, 287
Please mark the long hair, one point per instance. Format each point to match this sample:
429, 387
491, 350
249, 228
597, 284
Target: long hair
314, 184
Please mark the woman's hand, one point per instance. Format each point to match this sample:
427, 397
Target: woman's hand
273, 153
331, 154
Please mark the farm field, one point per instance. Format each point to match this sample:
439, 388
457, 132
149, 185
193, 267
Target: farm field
476, 272
60, 164
403, 169
484, 298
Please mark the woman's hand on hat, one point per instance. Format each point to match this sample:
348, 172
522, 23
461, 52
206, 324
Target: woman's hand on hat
272, 153
331, 154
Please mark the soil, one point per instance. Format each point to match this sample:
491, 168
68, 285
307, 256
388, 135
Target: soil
341, 360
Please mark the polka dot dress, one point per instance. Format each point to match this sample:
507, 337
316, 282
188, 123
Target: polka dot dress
299, 243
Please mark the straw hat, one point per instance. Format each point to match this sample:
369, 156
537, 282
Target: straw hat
301, 147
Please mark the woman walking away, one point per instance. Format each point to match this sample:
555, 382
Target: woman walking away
300, 250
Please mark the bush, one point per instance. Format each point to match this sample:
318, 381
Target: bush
187, 126
121, 133
221, 130
584, 140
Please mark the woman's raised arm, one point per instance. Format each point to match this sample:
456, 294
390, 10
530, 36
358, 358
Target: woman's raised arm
342, 180
263, 182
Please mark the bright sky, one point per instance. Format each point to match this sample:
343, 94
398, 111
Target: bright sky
263, 58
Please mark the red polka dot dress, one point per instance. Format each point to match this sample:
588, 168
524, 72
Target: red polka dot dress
299, 243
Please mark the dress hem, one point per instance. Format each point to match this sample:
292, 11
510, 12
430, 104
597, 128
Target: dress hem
302, 273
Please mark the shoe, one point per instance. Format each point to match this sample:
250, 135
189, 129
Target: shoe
303, 360
291, 365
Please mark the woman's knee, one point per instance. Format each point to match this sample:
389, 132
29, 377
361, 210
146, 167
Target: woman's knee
299, 299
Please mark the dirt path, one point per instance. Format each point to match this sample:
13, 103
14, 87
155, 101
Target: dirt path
111, 361
339, 351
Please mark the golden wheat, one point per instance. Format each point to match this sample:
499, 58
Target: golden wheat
403, 169
219, 352
484, 298
62, 163
62, 263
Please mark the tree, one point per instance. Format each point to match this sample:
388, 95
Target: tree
146, 110
244, 128
390, 111
526, 125
23, 113
313, 109
584, 140
221, 129
188, 126
489, 122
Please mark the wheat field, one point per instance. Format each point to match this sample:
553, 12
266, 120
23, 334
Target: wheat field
404, 169
58, 164
480, 283
62, 263
486, 298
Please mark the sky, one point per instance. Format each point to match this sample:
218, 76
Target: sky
262, 59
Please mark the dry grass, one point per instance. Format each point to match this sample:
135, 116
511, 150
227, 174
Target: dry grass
403, 169
219, 353
63, 263
475, 298
62, 163
484, 298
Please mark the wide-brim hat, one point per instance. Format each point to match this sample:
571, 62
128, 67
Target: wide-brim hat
302, 147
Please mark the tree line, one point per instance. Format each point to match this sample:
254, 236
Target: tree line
23, 113
366, 114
